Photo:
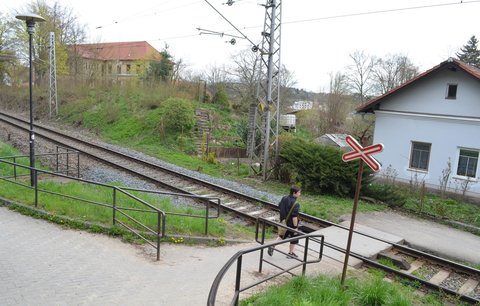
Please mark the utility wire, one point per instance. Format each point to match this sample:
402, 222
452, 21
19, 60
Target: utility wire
380, 11
322, 18
245, 36
369, 13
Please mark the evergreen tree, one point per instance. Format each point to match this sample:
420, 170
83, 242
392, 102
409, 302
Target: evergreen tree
162, 70
469, 53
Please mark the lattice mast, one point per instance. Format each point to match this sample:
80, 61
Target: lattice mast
52, 77
264, 113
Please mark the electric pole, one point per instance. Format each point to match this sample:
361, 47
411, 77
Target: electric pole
264, 115
52, 77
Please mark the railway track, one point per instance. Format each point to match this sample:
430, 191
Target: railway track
232, 201
430, 271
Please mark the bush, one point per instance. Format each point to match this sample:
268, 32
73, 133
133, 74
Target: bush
319, 168
177, 115
392, 195
221, 99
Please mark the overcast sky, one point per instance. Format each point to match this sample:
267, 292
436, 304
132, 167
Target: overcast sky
311, 49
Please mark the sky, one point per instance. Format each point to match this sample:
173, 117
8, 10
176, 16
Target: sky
316, 36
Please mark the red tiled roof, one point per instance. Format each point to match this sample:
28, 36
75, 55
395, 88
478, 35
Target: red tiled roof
134, 50
370, 105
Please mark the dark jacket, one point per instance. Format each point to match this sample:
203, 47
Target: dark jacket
285, 205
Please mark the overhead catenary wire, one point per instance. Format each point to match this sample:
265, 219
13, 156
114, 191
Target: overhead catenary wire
382, 11
348, 15
225, 18
321, 18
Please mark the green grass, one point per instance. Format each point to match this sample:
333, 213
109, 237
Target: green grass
323, 206
446, 208
72, 207
323, 290
132, 119
388, 262
131, 116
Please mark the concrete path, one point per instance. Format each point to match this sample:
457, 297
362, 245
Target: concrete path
44, 264
425, 235
361, 244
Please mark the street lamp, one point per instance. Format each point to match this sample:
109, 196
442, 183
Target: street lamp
30, 20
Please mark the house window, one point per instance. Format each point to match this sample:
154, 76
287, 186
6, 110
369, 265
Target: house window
451, 91
467, 163
420, 155
129, 67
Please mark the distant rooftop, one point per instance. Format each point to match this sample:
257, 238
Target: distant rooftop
134, 50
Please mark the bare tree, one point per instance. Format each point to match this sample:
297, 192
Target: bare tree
59, 20
359, 74
392, 71
7, 54
215, 75
287, 81
178, 68
244, 74
337, 108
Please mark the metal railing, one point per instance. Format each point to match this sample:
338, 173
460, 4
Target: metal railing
208, 201
238, 258
145, 207
67, 154
59, 167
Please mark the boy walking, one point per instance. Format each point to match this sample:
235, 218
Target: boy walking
289, 210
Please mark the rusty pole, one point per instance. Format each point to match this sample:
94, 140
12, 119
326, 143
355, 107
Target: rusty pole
354, 212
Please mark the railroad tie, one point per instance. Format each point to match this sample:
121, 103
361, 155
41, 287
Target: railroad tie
229, 203
439, 277
468, 287
415, 265
210, 195
242, 207
190, 187
258, 212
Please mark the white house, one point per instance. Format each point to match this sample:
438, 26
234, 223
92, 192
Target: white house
299, 105
429, 122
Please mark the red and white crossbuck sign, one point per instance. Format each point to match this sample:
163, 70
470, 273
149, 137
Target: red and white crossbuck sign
363, 153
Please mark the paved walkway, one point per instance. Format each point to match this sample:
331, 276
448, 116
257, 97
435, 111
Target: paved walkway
44, 264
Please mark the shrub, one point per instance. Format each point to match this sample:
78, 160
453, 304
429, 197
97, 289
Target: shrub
177, 115
390, 194
221, 99
319, 168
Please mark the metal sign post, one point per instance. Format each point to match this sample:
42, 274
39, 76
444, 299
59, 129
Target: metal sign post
364, 155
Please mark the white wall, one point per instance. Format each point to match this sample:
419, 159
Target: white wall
428, 96
396, 131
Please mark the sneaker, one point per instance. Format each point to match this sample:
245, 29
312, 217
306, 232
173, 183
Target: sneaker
292, 255
270, 251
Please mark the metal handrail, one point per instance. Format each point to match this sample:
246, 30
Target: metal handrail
161, 215
57, 164
209, 201
239, 256
265, 222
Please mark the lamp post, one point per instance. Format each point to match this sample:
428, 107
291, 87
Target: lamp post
30, 20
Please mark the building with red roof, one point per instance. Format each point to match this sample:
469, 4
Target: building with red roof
117, 59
